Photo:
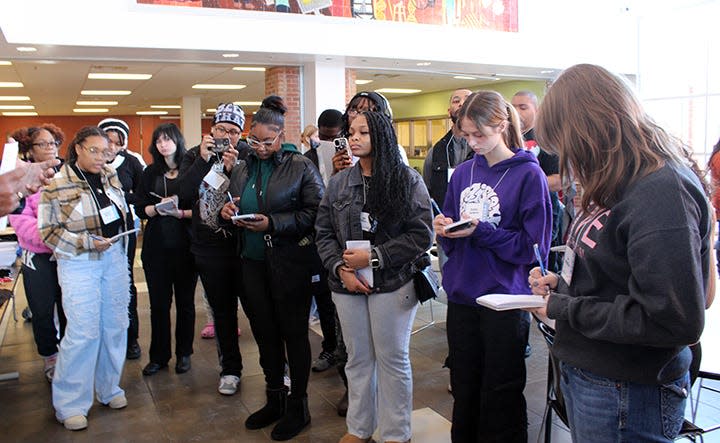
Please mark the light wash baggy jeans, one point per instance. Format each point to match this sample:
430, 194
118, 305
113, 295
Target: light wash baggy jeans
96, 294
376, 329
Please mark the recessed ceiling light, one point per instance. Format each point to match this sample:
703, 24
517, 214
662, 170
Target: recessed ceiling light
248, 68
11, 85
165, 106
117, 76
91, 110
211, 110
232, 55
547, 71
464, 77
246, 104
5, 63
423, 64
20, 114
151, 113
216, 86
104, 92
26, 49
96, 103
362, 82
398, 91
14, 98
16, 107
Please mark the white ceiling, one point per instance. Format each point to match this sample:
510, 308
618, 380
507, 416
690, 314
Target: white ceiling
54, 75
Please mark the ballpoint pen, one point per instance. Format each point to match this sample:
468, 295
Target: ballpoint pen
539, 259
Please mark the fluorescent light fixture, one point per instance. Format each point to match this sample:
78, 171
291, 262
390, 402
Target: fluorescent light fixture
423, 64
169, 117
362, 82
90, 110
11, 85
104, 92
535, 77
96, 103
246, 104
464, 77
547, 71
117, 76
216, 86
398, 91
14, 98
232, 55
211, 110
151, 113
165, 106
248, 68
20, 114
26, 49
5, 63
16, 107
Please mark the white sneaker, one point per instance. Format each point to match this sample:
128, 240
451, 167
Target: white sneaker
228, 384
75, 423
118, 402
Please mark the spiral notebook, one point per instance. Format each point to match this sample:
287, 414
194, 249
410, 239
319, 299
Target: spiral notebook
504, 302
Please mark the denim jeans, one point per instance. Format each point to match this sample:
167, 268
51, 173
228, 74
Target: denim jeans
376, 329
96, 294
602, 410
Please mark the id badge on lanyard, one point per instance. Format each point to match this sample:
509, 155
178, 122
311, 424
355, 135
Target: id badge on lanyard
215, 178
109, 214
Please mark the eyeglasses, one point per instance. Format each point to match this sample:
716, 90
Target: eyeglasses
97, 152
219, 130
257, 144
47, 145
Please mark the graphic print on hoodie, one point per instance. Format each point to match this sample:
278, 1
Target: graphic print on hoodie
511, 201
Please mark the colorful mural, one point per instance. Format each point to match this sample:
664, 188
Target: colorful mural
494, 15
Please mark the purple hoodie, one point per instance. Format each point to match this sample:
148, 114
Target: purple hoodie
512, 201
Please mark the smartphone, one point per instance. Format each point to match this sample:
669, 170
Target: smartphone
221, 145
458, 226
245, 217
342, 143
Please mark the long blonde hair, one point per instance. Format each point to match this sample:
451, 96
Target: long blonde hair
595, 123
306, 134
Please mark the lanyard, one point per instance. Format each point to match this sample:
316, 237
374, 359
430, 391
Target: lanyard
472, 173
92, 192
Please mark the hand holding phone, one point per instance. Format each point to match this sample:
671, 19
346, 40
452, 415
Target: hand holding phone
342, 144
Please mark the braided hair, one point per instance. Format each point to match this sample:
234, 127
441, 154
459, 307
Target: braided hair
390, 194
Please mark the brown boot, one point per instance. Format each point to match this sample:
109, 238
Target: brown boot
349, 438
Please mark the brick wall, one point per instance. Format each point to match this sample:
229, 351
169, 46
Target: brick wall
350, 86
285, 82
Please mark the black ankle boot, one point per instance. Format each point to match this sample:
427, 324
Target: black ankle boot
295, 419
273, 410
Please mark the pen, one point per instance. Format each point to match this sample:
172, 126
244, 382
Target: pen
543, 271
435, 207
231, 200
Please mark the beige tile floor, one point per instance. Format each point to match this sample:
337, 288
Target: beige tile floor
187, 407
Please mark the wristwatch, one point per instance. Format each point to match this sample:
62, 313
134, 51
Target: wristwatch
374, 260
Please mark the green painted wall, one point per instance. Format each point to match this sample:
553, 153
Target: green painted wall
435, 104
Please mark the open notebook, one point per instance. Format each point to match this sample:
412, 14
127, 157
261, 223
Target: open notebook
504, 302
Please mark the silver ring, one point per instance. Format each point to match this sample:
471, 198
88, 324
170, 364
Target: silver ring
20, 195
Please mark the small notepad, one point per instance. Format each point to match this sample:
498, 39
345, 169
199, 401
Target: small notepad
504, 302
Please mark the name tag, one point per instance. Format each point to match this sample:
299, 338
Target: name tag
365, 221
568, 265
475, 210
315, 278
109, 214
214, 179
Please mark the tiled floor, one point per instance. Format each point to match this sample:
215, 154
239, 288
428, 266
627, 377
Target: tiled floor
187, 407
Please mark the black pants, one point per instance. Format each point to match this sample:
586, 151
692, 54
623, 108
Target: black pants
172, 271
487, 374
134, 327
222, 279
325, 305
44, 295
277, 302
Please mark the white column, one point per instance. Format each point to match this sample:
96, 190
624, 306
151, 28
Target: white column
190, 120
323, 83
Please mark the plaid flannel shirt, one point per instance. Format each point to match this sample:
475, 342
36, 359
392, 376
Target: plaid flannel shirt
68, 215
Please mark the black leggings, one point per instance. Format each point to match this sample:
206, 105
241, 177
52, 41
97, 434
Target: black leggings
44, 296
